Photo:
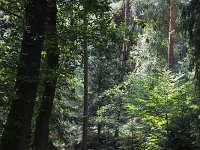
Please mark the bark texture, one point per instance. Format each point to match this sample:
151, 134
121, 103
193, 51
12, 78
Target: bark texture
41, 137
171, 35
18, 124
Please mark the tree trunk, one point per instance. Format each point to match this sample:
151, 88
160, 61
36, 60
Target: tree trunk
124, 58
125, 44
85, 104
171, 34
18, 124
41, 139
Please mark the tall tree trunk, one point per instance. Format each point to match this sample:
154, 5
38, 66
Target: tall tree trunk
171, 34
124, 59
18, 124
41, 140
125, 44
85, 103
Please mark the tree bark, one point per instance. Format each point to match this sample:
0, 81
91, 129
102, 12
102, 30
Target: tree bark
124, 59
41, 137
171, 35
85, 104
125, 44
18, 124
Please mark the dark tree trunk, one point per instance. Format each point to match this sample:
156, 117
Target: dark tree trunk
85, 104
99, 126
41, 140
100, 140
171, 34
18, 124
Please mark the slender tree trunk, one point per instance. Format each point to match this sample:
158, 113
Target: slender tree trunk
126, 16
99, 134
41, 139
85, 105
18, 124
125, 44
100, 86
73, 46
124, 58
171, 34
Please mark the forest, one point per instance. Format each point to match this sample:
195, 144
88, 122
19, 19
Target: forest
99, 74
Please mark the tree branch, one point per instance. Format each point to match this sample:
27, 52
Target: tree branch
9, 12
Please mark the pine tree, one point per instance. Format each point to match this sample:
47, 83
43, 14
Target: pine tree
171, 34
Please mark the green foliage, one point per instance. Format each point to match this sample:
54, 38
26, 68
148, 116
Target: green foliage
148, 104
180, 133
192, 23
10, 34
153, 108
